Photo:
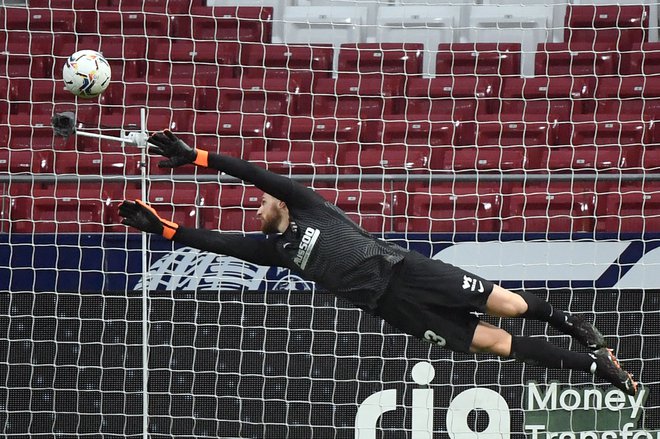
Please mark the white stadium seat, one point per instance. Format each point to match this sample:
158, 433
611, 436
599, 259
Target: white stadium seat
429, 25
322, 24
529, 25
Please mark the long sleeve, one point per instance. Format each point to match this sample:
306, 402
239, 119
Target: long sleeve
250, 249
279, 186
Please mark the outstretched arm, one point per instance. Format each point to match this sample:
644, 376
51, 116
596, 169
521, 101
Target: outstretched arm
178, 153
251, 249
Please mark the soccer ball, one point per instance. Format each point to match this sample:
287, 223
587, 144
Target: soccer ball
86, 74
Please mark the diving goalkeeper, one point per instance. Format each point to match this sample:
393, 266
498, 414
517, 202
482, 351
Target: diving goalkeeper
426, 298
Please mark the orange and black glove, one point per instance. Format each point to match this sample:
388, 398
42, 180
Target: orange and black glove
176, 151
144, 217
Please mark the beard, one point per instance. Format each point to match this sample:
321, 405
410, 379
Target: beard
269, 225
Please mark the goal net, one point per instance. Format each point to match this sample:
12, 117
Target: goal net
514, 139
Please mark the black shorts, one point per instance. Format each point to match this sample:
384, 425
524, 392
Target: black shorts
434, 301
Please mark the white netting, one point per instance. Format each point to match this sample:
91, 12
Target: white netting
515, 139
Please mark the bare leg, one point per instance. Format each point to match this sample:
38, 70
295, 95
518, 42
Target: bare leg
489, 338
504, 303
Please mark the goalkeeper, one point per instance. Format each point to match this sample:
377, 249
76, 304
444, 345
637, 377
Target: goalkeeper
427, 298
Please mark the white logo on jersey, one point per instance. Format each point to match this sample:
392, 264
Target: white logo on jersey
471, 284
306, 246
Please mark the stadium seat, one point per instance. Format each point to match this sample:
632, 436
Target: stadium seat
365, 98
25, 66
376, 158
605, 132
40, 31
338, 130
576, 59
500, 146
550, 208
60, 208
643, 59
428, 25
448, 98
478, 59
449, 208
300, 158
250, 95
114, 23
617, 26
235, 133
469, 159
226, 23
286, 61
500, 23
19, 161
236, 211
370, 209
390, 59
631, 208
545, 98
97, 163
178, 202
394, 130
150, 6
326, 25
191, 62
628, 98
590, 158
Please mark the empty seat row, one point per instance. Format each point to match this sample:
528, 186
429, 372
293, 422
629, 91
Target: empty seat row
413, 208
423, 99
228, 23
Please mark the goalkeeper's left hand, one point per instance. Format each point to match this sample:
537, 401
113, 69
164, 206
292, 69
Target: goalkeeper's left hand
144, 217
176, 151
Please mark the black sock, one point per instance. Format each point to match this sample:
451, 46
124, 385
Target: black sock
539, 309
539, 352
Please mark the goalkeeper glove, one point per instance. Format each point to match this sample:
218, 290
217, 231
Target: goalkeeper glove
176, 150
144, 217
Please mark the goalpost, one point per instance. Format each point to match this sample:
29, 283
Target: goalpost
517, 141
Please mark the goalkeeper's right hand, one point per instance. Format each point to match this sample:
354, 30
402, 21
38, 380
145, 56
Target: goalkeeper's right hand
144, 217
178, 153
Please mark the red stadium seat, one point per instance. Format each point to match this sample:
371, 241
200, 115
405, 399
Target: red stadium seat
547, 98
390, 59
299, 158
370, 209
642, 60
376, 158
250, 95
25, 66
450, 208
18, 161
619, 27
176, 202
132, 23
482, 159
236, 211
60, 208
631, 208
97, 163
628, 98
328, 129
286, 60
40, 31
589, 158
562, 59
363, 98
554, 208
232, 133
423, 132
226, 23
451, 98
191, 62
478, 59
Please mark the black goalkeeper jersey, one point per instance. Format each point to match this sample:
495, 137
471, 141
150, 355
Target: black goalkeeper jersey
321, 243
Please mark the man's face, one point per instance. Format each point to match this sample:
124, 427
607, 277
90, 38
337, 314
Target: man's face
270, 214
